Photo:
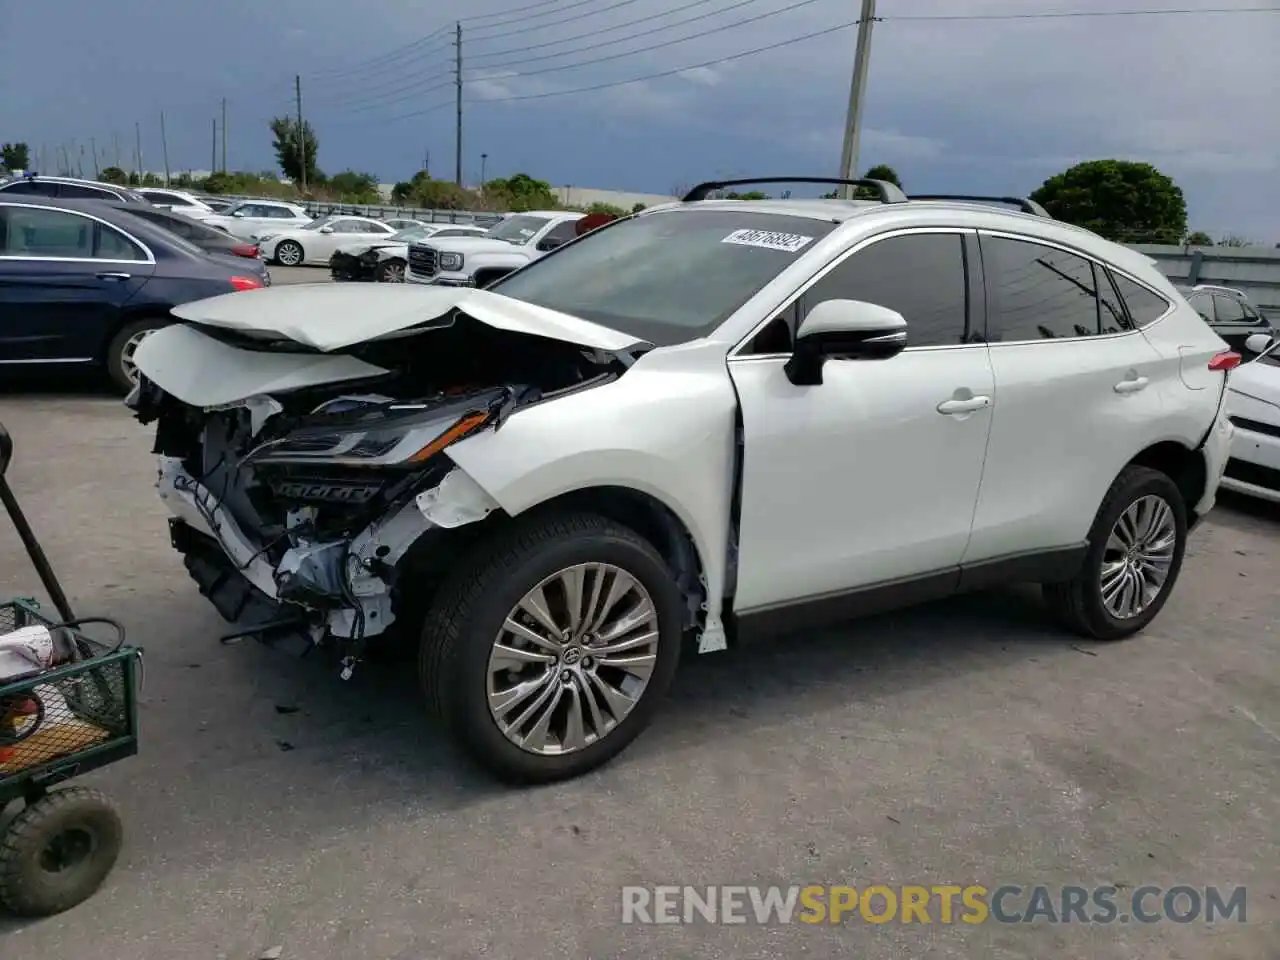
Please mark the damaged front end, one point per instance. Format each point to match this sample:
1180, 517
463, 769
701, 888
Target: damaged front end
296, 509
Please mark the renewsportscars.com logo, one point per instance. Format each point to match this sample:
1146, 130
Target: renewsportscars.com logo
944, 904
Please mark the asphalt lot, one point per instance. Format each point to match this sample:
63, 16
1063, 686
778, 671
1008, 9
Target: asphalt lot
273, 805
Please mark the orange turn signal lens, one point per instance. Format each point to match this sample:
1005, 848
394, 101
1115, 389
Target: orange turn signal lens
464, 426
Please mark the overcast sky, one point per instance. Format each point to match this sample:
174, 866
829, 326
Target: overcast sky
953, 105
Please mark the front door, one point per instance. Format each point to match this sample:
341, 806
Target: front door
871, 476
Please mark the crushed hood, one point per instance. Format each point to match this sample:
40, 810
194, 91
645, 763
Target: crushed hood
364, 246
328, 317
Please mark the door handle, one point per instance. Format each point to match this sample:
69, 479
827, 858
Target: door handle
114, 276
1131, 386
953, 407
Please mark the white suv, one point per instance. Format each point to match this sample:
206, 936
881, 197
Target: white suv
710, 420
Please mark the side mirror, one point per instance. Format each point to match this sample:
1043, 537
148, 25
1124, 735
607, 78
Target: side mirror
1258, 342
238, 213
852, 329
326, 229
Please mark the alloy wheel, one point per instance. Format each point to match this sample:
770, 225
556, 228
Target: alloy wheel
130, 347
573, 659
393, 273
289, 254
1138, 557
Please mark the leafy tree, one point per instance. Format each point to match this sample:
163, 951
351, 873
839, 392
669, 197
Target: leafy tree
748, 195
15, 156
182, 180
113, 175
134, 180
882, 171
354, 187
637, 208
289, 149
609, 208
151, 180
1199, 239
1119, 199
521, 192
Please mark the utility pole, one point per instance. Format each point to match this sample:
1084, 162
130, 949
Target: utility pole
484, 161
164, 145
80, 162
302, 131
857, 92
137, 132
457, 140
115, 139
93, 145
224, 134
213, 150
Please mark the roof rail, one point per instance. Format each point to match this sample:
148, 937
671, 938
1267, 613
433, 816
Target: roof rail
1022, 203
886, 192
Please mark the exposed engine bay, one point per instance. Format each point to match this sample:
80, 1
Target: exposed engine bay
295, 508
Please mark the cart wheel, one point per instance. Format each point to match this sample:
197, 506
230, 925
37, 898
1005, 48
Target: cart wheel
58, 851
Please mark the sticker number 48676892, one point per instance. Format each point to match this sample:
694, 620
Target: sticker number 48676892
769, 240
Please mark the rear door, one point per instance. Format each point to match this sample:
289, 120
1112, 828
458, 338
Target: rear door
1078, 389
64, 279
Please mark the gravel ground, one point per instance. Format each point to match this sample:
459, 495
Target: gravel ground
274, 806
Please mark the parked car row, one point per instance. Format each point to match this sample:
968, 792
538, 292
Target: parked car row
82, 282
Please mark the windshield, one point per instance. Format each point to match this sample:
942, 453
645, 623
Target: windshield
317, 223
410, 234
519, 229
667, 277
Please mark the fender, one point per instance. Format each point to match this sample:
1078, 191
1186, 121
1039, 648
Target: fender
665, 431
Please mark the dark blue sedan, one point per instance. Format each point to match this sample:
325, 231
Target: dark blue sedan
82, 284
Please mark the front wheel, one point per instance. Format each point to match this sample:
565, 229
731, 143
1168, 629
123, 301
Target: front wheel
1134, 556
58, 851
548, 653
392, 271
289, 253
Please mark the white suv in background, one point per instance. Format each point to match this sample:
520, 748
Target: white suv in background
178, 201
516, 241
710, 420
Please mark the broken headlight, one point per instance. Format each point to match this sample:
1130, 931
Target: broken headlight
399, 435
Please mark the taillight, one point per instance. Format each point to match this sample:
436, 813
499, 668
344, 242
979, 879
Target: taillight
246, 283
245, 250
1227, 360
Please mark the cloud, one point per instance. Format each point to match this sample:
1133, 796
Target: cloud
963, 105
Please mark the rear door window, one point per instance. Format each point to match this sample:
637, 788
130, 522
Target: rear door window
1037, 292
1227, 309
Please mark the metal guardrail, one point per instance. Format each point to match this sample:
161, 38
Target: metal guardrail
323, 208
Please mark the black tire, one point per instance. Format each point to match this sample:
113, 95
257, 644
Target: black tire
391, 271
470, 607
291, 245
121, 346
485, 277
1078, 602
75, 821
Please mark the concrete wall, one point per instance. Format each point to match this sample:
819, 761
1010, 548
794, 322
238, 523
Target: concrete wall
1253, 270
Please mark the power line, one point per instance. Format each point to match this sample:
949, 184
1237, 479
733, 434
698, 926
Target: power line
643, 33
670, 43
1074, 14
418, 90
520, 31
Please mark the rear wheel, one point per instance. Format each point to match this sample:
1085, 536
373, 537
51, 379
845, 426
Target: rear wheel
548, 653
120, 365
391, 271
289, 253
1135, 553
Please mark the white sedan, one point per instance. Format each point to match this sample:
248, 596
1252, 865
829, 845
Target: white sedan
1253, 402
316, 242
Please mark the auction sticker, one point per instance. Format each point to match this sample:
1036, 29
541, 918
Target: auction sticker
769, 240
